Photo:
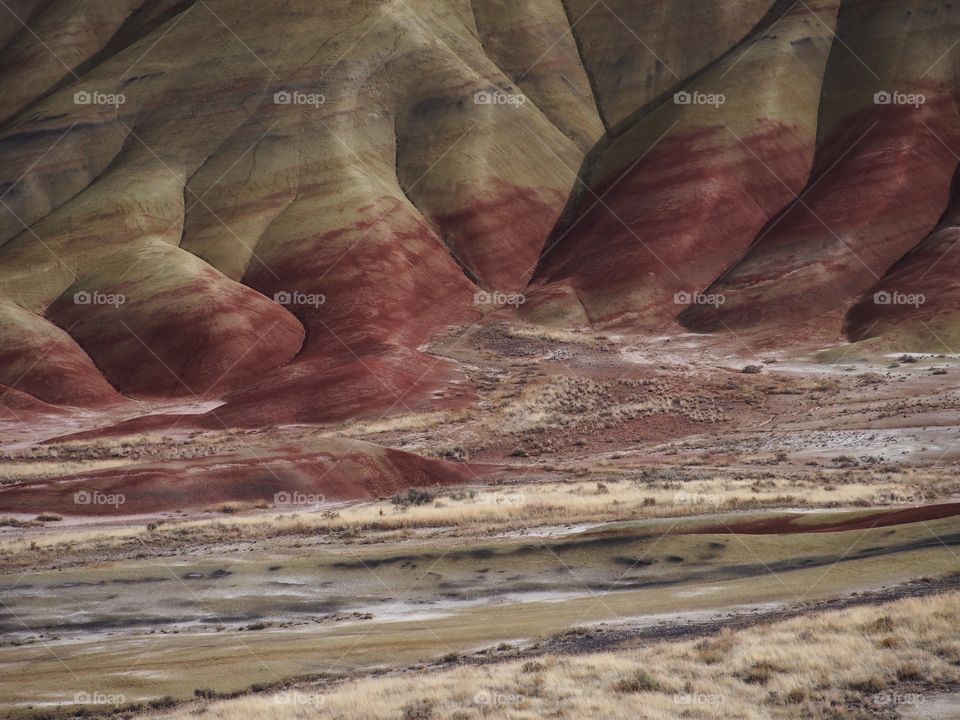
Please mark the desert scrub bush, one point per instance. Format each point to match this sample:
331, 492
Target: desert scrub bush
457, 453
12, 522
419, 710
229, 508
869, 685
910, 672
414, 497
639, 681
715, 650
761, 672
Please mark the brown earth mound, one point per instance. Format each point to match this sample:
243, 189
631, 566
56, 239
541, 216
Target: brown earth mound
294, 478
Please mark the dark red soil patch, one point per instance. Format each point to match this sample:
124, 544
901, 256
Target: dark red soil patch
336, 386
18, 404
672, 223
41, 360
500, 235
921, 289
855, 221
388, 284
202, 333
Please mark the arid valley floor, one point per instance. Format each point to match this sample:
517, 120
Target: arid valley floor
660, 528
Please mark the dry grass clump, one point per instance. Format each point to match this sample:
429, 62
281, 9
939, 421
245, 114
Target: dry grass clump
578, 402
22, 470
396, 423
836, 665
471, 511
541, 332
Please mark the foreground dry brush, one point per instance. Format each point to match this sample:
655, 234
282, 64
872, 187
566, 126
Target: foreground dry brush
857, 663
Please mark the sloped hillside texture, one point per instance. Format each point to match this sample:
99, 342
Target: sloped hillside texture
278, 204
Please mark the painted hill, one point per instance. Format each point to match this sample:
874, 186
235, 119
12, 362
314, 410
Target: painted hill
278, 204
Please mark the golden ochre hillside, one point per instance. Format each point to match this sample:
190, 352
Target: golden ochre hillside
280, 203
